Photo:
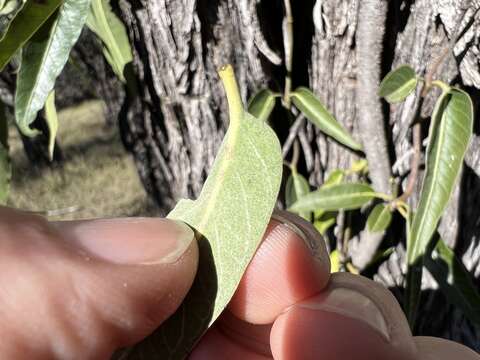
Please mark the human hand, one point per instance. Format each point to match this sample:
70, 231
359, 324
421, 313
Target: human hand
83, 289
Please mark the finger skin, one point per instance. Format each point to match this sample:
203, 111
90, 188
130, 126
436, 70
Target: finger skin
57, 302
311, 329
430, 348
285, 269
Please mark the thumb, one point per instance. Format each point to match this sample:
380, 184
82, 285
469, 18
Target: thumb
83, 289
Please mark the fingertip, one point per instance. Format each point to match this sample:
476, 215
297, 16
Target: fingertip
290, 264
351, 318
431, 348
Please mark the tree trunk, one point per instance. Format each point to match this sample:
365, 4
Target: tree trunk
341, 49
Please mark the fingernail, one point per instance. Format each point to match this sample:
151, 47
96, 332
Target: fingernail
352, 304
312, 238
130, 240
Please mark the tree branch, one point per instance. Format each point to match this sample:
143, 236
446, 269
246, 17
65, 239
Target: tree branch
371, 123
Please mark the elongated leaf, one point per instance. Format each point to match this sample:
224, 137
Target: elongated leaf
44, 58
398, 84
334, 261
325, 221
296, 187
262, 104
335, 177
108, 27
359, 166
52, 122
454, 280
314, 110
450, 132
24, 25
379, 219
230, 216
5, 165
335, 197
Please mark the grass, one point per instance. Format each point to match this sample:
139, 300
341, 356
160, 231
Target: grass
98, 178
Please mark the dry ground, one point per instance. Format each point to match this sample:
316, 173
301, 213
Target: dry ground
98, 178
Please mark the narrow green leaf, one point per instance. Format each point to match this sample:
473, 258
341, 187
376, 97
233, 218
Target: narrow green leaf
110, 29
24, 25
52, 122
454, 280
43, 58
398, 84
325, 221
314, 110
379, 219
335, 177
346, 196
230, 217
334, 261
262, 104
450, 131
296, 187
359, 166
5, 165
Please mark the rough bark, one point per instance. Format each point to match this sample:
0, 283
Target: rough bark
175, 123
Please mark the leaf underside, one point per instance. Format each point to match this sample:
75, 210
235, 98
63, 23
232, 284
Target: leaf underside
230, 217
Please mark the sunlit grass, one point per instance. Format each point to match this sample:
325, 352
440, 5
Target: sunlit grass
98, 178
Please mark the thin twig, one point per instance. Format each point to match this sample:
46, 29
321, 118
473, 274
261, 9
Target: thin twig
295, 154
288, 48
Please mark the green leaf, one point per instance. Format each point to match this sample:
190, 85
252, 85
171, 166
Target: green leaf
43, 58
398, 84
450, 131
454, 280
262, 104
359, 166
379, 219
52, 122
325, 221
334, 261
346, 196
109, 28
230, 217
296, 187
5, 165
335, 177
24, 25
314, 110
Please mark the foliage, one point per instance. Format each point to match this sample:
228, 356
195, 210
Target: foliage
103, 22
